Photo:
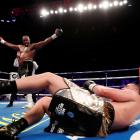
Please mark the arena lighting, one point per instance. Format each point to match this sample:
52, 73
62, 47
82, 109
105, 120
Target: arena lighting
44, 12
8, 20
84, 7
65, 6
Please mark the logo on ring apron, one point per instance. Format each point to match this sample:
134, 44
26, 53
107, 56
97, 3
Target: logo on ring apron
60, 110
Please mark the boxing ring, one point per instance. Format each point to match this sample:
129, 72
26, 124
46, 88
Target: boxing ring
112, 78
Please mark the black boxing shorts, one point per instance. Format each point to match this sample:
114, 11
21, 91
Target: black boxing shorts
26, 68
72, 118
75, 111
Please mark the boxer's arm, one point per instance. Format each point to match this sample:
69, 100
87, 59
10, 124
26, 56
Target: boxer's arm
42, 43
120, 95
8, 44
115, 94
58, 32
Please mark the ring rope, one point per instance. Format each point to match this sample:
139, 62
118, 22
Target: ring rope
4, 72
105, 78
89, 72
103, 71
101, 78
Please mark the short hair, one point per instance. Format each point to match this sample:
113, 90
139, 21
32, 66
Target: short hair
136, 86
25, 36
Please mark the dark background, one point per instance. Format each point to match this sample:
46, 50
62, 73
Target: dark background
96, 40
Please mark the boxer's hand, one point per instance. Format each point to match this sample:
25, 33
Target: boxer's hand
89, 85
2, 41
58, 32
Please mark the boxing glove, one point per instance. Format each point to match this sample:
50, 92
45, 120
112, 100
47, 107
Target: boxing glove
58, 32
2, 41
89, 85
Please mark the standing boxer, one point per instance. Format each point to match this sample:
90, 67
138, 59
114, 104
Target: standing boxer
24, 60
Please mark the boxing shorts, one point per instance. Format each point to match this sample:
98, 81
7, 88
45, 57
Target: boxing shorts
26, 68
75, 111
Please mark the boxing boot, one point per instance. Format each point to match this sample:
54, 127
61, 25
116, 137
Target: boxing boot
10, 131
30, 102
13, 97
10, 105
7, 86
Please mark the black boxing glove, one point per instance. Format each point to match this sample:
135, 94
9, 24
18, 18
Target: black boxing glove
58, 32
89, 85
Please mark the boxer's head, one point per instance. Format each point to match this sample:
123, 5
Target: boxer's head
26, 40
133, 86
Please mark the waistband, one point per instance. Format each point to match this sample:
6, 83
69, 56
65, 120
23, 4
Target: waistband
28, 60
